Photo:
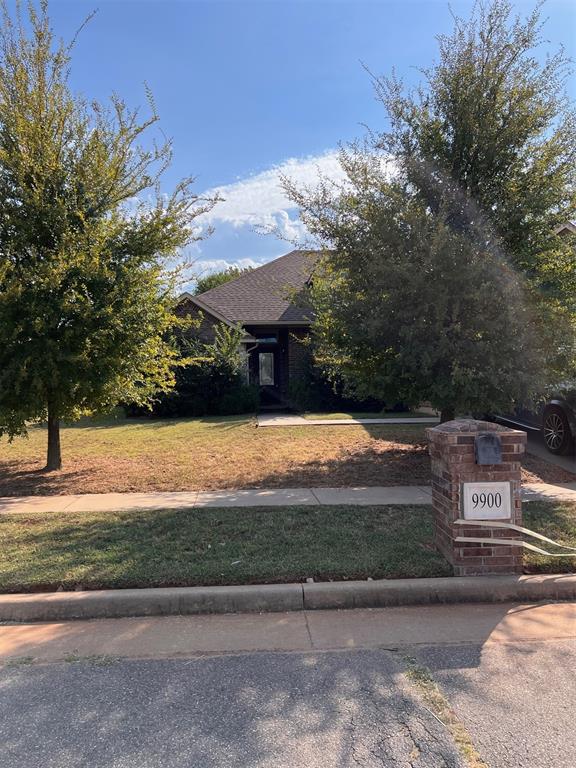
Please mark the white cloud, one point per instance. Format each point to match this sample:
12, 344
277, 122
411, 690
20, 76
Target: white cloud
204, 266
259, 201
255, 205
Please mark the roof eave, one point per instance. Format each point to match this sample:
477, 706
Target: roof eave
277, 322
568, 226
207, 308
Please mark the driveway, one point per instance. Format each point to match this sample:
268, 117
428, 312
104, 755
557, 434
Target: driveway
536, 447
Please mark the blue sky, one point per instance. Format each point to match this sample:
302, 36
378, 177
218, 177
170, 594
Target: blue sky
248, 89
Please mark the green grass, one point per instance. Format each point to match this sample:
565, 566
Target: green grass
557, 521
240, 546
367, 415
215, 546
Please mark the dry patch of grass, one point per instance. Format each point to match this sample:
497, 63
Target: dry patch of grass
214, 453
433, 698
537, 470
219, 453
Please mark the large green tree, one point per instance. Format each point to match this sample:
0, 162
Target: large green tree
493, 131
214, 279
86, 242
446, 281
408, 309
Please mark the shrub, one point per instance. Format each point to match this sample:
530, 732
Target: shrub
210, 381
314, 392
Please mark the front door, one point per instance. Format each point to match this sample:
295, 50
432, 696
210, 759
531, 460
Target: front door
266, 373
267, 369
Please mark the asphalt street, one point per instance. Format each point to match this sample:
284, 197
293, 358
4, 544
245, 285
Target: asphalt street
317, 689
268, 710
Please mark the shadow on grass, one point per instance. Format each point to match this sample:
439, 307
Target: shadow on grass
16, 480
401, 465
155, 422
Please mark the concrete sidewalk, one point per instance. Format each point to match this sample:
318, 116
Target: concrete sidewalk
258, 497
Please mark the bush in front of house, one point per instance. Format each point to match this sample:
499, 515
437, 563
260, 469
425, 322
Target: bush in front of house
204, 388
211, 381
313, 391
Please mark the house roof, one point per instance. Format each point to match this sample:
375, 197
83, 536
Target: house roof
569, 226
266, 295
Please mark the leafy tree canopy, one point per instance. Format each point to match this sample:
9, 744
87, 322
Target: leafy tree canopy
446, 281
215, 279
86, 239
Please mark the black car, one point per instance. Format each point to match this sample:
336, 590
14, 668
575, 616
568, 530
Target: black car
555, 418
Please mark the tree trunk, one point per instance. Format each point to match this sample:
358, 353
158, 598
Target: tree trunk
446, 414
54, 457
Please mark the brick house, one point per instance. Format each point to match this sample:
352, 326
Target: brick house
269, 304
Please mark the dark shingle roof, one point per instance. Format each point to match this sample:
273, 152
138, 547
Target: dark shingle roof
267, 294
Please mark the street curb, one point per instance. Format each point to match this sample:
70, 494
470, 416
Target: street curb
167, 601
178, 601
457, 589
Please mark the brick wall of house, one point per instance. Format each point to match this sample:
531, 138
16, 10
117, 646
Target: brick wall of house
298, 354
283, 357
204, 331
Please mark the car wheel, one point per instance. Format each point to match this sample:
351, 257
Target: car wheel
556, 431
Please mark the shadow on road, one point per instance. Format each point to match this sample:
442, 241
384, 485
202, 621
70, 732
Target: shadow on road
270, 710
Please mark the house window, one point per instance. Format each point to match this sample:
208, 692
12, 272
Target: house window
268, 338
245, 364
266, 368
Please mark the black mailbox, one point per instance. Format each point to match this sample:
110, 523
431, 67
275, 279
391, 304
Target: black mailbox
488, 448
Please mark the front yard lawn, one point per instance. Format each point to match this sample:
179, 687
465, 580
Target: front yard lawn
239, 546
225, 452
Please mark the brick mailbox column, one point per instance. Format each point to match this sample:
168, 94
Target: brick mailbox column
453, 453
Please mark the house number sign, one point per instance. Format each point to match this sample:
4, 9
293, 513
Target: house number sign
487, 501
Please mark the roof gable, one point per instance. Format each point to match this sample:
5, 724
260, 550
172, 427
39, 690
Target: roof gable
267, 294
568, 227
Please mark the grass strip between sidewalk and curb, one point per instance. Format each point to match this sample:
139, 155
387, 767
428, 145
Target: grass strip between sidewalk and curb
215, 546
227, 546
557, 521
434, 700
